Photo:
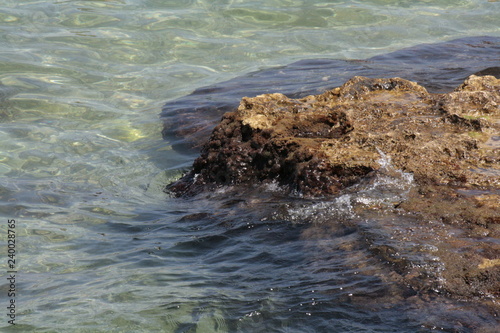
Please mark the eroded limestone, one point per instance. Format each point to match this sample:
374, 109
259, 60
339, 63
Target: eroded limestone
321, 144
325, 145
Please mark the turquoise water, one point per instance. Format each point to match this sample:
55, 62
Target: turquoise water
100, 246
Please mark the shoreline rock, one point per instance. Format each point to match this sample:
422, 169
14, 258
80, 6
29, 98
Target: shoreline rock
320, 144
323, 146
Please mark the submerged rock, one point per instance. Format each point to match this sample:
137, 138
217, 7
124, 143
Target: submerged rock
320, 144
417, 174
440, 150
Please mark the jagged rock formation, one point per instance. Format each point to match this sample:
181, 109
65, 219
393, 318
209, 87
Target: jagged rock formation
323, 145
319, 145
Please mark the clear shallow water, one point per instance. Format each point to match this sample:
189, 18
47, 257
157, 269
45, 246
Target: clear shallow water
83, 165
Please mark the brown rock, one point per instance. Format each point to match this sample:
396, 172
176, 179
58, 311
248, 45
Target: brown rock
321, 144
324, 144
339, 141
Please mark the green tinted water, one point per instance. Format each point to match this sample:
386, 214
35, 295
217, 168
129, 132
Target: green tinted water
82, 161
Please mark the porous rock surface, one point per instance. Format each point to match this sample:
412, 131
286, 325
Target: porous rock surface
325, 145
321, 144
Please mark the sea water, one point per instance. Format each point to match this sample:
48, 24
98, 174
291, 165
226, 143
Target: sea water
99, 247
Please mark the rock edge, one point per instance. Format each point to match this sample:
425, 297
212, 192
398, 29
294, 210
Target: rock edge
321, 144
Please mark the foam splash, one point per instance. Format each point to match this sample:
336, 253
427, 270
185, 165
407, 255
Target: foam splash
385, 189
340, 208
388, 186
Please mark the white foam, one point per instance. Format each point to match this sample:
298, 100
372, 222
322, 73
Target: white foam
388, 186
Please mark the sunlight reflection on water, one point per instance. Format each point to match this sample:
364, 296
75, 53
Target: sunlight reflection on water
83, 163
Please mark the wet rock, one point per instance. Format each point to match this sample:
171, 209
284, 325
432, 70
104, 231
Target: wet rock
320, 144
332, 144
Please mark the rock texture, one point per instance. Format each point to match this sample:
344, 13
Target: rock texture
321, 144
332, 144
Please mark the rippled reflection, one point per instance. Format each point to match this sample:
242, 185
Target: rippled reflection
83, 166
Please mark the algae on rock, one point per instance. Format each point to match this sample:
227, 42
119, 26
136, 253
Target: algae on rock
320, 144
329, 144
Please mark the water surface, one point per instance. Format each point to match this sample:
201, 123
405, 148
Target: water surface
101, 247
